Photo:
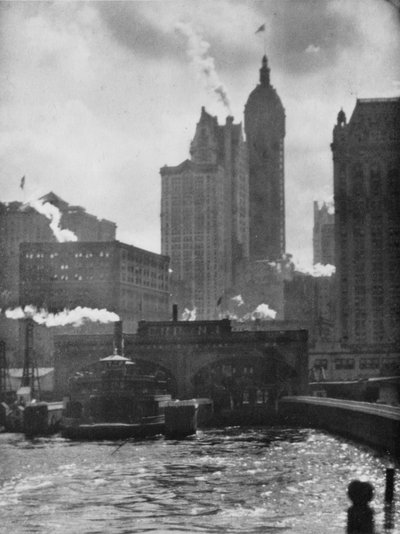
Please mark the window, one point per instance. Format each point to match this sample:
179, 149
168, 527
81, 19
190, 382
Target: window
369, 363
391, 365
344, 363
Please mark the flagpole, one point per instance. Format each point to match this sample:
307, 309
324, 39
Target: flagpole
262, 29
22, 187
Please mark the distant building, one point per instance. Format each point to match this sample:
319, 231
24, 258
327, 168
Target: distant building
309, 300
264, 119
20, 223
324, 234
204, 215
122, 278
261, 282
366, 158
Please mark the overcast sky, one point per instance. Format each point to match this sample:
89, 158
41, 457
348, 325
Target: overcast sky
97, 96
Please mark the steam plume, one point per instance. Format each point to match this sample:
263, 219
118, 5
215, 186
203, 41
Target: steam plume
328, 204
316, 270
75, 317
204, 64
263, 311
54, 215
238, 300
189, 315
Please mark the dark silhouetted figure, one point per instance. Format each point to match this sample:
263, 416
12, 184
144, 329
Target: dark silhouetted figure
360, 517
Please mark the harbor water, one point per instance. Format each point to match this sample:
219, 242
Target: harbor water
230, 480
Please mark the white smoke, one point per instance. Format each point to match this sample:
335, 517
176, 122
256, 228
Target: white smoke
312, 49
204, 64
75, 317
54, 215
329, 204
263, 311
189, 315
238, 300
16, 313
316, 270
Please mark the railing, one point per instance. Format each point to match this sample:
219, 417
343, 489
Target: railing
376, 424
385, 410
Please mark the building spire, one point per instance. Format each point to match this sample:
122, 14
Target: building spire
264, 71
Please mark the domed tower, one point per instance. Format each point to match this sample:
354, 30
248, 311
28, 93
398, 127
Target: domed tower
264, 123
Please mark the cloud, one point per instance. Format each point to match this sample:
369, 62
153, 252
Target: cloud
95, 97
312, 49
133, 29
292, 26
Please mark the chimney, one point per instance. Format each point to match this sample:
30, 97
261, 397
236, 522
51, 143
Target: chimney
28, 354
175, 312
118, 338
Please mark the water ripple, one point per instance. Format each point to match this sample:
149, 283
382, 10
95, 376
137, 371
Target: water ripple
249, 481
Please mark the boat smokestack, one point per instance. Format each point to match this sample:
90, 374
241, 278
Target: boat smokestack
118, 338
28, 353
175, 312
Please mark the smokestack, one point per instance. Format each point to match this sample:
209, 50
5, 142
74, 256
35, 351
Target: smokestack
118, 338
175, 312
3, 370
28, 354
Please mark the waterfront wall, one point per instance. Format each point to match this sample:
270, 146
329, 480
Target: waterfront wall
377, 425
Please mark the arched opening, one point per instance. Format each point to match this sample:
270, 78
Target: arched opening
234, 382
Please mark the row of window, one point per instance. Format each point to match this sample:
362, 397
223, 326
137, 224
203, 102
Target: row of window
52, 255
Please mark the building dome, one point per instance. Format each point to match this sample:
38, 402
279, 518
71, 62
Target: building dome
265, 100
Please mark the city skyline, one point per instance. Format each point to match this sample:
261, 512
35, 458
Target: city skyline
96, 97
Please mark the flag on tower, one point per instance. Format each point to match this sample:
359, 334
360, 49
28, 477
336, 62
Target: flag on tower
261, 28
22, 184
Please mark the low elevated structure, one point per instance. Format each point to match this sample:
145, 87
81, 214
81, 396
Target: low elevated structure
204, 359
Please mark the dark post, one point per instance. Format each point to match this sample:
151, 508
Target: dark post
360, 517
175, 312
389, 488
389, 494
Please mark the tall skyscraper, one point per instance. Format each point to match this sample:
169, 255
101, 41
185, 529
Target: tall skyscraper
324, 234
366, 158
204, 215
264, 120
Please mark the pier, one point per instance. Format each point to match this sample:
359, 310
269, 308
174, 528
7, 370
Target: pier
375, 424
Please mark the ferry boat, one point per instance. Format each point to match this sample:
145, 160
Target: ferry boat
113, 399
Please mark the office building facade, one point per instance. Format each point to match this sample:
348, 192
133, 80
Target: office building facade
204, 216
132, 282
366, 158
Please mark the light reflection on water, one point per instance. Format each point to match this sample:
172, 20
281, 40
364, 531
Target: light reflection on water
221, 481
